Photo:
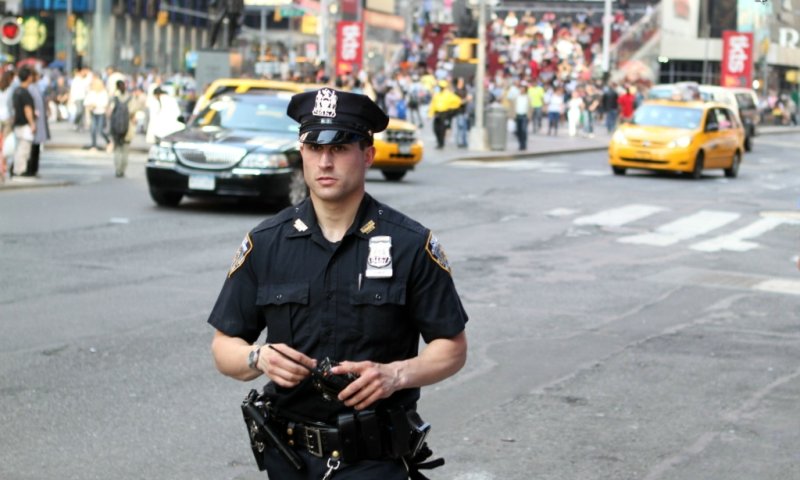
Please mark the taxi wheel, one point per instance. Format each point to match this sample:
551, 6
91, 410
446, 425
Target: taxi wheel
393, 176
166, 199
618, 170
298, 190
697, 171
733, 171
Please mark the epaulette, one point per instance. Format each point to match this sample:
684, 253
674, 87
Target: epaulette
401, 220
280, 218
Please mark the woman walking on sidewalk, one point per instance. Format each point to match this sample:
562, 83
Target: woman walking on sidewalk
555, 108
97, 104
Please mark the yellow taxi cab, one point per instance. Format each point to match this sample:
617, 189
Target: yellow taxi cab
398, 149
682, 136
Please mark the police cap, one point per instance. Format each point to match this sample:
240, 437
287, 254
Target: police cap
329, 116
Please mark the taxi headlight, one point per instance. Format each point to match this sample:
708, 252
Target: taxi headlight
619, 138
681, 142
380, 136
162, 153
265, 160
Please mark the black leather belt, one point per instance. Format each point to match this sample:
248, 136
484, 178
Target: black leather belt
319, 441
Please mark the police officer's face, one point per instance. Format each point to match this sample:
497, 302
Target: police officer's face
336, 172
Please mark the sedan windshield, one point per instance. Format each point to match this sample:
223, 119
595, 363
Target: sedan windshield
668, 116
254, 112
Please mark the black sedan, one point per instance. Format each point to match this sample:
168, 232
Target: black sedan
241, 145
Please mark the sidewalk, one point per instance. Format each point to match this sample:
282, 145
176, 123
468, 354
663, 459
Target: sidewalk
63, 137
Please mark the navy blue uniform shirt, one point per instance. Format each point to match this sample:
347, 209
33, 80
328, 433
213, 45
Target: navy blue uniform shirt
318, 298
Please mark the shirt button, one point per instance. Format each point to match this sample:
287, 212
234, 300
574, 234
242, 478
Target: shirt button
378, 296
279, 296
329, 296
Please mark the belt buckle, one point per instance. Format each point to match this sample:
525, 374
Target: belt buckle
314, 441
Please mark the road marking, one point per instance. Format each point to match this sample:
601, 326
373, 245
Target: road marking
561, 212
736, 241
594, 173
779, 285
616, 217
684, 228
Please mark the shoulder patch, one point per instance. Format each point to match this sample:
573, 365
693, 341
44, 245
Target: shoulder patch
436, 252
241, 254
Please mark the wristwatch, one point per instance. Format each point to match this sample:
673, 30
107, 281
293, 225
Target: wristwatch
252, 359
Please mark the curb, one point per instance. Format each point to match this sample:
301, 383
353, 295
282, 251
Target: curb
15, 185
524, 155
65, 146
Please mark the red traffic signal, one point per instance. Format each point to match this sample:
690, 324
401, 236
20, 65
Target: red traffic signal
11, 31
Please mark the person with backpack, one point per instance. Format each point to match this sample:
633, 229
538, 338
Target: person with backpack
120, 127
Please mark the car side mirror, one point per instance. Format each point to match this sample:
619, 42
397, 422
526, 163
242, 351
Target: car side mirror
712, 127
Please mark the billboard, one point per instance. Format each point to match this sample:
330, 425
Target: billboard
736, 69
349, 47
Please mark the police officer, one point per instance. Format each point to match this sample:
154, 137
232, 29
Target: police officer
345, 277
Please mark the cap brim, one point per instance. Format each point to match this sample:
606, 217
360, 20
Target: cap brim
330, 137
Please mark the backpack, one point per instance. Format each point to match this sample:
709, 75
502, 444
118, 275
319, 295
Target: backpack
120, 118
402, 110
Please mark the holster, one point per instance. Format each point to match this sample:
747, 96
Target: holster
256, 418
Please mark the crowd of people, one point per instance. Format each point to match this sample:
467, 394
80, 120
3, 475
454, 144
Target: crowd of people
109, 107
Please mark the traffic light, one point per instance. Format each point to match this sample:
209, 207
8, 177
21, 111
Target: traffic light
11, 30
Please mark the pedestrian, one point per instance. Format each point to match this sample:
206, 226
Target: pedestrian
536, 97
591, 101
574, 112
122, 126
626, 102
462, 116
344, 276
96, 104
42, 133
163, 113
24, 122
6, 120
609, 102
555, 108
78, 89
443, 107
414, 101
520, 103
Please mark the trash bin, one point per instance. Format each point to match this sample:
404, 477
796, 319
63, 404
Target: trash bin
497, 126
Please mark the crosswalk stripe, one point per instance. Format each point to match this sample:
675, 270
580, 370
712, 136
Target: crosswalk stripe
736, 241
778, 285
684, 228
616, 217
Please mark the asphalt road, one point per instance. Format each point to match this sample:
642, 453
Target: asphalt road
636, 327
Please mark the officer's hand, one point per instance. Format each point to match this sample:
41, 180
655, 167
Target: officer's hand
375, 381
282, 370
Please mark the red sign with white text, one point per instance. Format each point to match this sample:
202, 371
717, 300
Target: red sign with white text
737, 59
349, 47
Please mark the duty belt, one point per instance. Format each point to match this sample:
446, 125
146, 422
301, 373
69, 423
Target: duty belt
357, 435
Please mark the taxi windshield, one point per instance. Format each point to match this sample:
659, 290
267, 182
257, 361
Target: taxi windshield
259, 113
668, 116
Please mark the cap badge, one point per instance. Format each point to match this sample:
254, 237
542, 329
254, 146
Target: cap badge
325, 103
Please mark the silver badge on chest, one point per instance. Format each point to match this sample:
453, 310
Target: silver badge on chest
379, 261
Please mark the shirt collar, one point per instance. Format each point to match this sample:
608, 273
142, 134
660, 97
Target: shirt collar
304, 221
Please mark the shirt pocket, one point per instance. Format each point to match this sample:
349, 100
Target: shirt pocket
282, 306
379, 309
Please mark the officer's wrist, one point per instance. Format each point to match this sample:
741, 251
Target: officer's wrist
253, 356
